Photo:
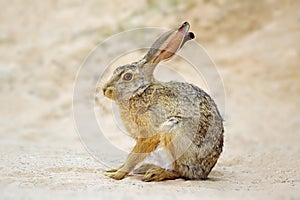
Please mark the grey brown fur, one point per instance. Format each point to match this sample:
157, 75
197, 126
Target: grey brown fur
179, 117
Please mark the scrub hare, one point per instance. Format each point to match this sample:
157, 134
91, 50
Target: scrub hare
178, 117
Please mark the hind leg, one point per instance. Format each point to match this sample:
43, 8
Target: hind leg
159, 174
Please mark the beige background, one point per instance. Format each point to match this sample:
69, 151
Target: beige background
256, 48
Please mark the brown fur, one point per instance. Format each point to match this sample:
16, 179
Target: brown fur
180, 117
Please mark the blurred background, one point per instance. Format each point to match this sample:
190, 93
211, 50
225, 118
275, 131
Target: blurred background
255, 45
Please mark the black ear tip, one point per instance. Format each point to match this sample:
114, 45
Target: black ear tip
191, 35
183, 25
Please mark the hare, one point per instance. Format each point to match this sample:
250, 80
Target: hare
178, 117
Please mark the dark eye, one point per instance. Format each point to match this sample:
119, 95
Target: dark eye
128, 76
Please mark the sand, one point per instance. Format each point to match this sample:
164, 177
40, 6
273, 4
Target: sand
254, 44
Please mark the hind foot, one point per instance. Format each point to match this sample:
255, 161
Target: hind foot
144, 168
159, 174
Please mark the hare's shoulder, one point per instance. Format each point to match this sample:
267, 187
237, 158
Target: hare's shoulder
169, 93
187, 92
192, 98
169, 97
152, 94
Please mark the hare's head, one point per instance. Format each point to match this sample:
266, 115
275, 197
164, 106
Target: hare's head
128, 79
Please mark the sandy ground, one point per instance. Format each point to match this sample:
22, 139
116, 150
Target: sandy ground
256, 48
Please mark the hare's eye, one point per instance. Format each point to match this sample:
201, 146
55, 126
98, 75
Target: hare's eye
128, 76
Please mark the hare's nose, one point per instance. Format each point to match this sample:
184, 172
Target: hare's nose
105, 87
107, 91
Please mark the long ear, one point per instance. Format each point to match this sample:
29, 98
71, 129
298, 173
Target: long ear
167, 45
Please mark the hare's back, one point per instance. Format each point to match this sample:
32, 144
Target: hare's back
201, 114
191, 98
195, 104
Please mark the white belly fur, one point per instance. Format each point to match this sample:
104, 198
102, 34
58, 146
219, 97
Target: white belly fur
160, 157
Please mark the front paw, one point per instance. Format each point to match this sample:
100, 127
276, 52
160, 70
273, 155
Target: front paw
111, 170
118, 175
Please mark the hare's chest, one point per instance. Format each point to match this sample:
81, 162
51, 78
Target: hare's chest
135, 122
129, 124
